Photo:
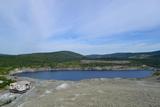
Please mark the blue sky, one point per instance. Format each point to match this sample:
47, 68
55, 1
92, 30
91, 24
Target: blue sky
83, 26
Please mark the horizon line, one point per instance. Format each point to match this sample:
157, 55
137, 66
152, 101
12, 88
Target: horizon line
41, 52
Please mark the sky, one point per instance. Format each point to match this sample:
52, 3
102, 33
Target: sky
83, 26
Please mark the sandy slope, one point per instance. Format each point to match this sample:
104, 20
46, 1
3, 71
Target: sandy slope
91, 93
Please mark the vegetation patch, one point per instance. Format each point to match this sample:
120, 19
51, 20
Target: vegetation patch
5, 70
157, 73
67, 59
4, 82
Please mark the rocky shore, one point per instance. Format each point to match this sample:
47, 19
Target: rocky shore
88, 93
111, 68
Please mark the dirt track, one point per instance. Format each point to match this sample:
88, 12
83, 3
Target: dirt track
91, 93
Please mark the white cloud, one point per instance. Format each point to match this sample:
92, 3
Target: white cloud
123, 16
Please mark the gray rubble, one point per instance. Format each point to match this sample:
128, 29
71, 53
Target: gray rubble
7, 98
91, 93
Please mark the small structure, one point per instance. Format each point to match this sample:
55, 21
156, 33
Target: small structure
20, 86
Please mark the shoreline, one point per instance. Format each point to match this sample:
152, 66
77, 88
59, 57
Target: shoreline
105, 88
17, 70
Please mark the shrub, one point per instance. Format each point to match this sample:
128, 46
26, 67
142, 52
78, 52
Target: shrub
5, 82
157, 73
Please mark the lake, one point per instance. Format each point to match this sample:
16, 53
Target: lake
80, 75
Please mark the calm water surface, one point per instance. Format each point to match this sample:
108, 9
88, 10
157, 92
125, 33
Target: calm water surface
80, 75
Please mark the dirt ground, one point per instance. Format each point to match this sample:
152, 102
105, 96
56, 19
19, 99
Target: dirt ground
91, 93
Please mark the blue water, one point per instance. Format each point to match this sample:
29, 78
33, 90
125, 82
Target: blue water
80, 75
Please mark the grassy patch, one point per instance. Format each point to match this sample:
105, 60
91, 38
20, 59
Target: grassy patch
4, 82
157, 73
5, 70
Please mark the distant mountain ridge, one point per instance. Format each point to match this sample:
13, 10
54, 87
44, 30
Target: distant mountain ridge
140, 55
2, 54
72, 55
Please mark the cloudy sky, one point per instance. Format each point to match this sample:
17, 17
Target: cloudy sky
84, 26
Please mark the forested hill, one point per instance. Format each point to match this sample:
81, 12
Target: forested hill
142, 55
68, 59
39, 59
148, 58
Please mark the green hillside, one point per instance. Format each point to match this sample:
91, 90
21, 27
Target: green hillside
142, 55
68, 59
148, 58
52, 59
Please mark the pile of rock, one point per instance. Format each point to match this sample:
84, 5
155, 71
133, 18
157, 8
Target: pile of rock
20, 86
7, 98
